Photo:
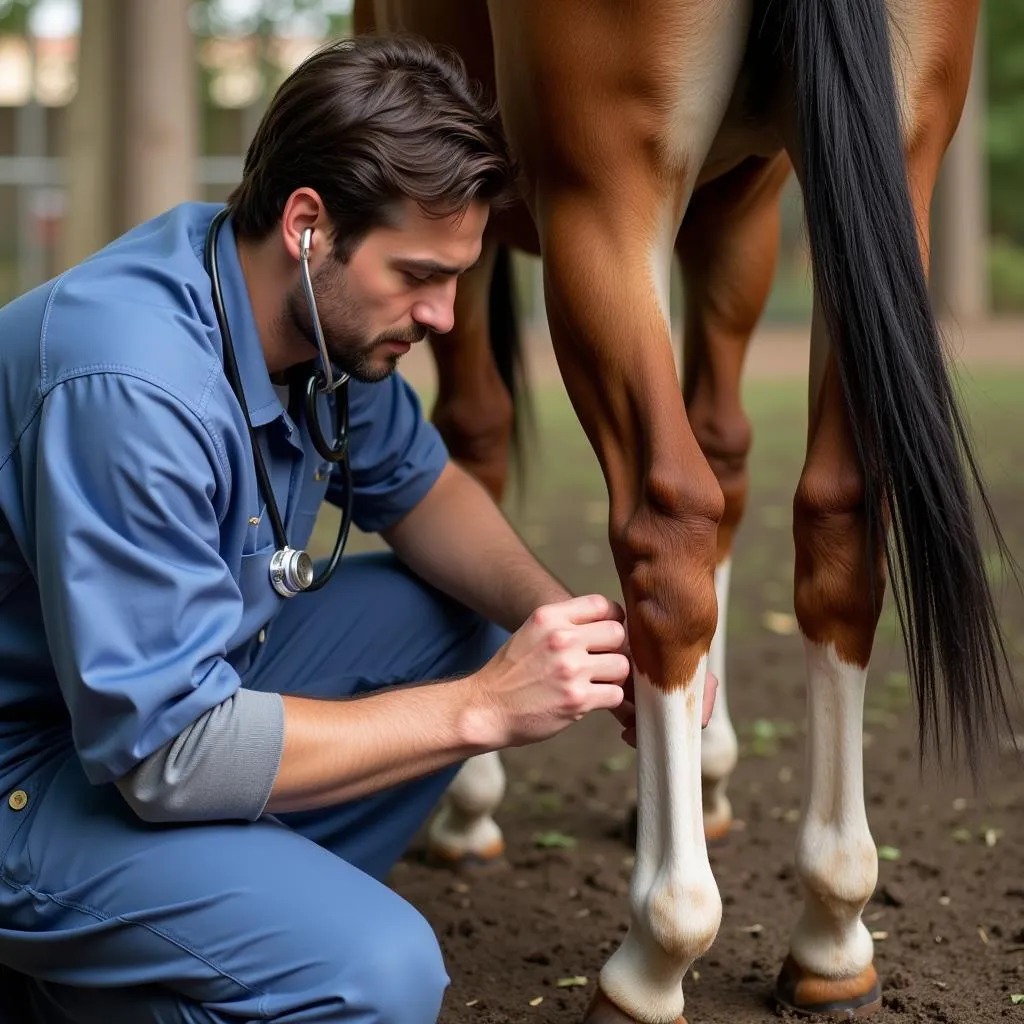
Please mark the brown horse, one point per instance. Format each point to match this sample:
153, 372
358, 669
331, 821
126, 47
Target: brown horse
664, 125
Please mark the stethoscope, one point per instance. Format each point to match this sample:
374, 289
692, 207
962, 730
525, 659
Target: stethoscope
291, 570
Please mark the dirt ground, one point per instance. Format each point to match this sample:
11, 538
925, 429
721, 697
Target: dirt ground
948, 912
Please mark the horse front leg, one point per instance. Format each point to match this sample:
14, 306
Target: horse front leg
611, 334
611, 109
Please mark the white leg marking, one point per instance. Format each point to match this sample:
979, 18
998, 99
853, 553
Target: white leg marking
675, 907
463, 824
719, 750
835, 855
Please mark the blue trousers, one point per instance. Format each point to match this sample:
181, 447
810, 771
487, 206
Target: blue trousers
108, 919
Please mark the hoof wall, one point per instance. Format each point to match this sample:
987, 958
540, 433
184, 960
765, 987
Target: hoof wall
840, 998
603, 1011
716, 834
471, 862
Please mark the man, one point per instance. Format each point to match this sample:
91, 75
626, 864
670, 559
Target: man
194, 827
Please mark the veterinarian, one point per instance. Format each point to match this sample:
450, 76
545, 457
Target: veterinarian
194, 827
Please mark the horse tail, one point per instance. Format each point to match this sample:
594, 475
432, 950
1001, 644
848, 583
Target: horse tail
911, 437
507, 350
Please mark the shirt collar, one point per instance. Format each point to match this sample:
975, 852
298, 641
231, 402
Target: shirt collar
260, 395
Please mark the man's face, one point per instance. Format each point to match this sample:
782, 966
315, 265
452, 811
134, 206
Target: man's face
398, 285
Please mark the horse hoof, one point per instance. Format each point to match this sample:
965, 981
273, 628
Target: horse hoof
476, 862
717, 832
840, 998
603, 1011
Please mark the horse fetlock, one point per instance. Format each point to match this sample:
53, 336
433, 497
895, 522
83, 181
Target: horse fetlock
479, 786
838, 873
682, 916
838, 870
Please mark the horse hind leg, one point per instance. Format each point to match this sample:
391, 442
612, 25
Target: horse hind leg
728, 250
473, 409
837, 602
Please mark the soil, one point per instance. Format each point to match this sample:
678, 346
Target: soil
948, 911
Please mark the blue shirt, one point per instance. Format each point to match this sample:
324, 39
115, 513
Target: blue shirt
133, 581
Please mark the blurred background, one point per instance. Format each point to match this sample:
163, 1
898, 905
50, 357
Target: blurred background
112, 110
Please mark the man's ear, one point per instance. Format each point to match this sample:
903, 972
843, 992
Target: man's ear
304, 210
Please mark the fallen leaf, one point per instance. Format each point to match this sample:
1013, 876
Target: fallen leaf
473, 1002
1017, 998
889, 853
574, 982
551, 840
780, 623
992, 836
753, 929
618, 762
879, 936
962, 835
537, 1001
983, 935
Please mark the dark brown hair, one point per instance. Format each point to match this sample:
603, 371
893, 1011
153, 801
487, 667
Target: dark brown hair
367, 122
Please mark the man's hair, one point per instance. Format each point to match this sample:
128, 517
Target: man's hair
368, 122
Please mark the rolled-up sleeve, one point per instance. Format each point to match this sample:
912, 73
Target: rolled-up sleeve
397, 455
138, 604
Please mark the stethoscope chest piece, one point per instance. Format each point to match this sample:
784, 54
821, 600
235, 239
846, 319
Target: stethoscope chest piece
291, 571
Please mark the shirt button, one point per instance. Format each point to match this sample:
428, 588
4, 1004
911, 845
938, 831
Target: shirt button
18, 800
261, 636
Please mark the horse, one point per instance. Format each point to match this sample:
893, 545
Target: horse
661, 127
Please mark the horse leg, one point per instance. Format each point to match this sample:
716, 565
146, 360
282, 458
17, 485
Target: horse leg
473, 409
463, 834
612, 109
830, 963
840, 566
728, 249
473, 412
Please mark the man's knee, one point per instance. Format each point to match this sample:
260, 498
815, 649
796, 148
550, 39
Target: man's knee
388, 970
399, 975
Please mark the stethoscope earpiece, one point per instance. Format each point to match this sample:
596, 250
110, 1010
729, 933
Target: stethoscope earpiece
328, 382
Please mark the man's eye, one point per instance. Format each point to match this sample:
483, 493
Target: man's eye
415, 279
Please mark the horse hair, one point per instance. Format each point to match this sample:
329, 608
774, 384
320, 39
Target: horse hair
911, 437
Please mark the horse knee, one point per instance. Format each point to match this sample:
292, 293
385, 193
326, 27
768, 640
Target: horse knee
665, 552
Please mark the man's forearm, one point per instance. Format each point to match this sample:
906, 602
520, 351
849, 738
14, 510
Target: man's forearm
338, 750
458, 540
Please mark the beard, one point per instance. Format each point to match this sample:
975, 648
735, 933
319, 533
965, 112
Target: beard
350, 345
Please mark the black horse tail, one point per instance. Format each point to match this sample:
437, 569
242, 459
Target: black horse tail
911, 436
507, 349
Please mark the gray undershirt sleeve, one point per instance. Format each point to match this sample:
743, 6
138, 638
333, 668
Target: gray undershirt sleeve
222, 766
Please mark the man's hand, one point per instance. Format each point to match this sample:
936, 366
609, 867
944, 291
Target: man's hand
563, 662
626, 711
